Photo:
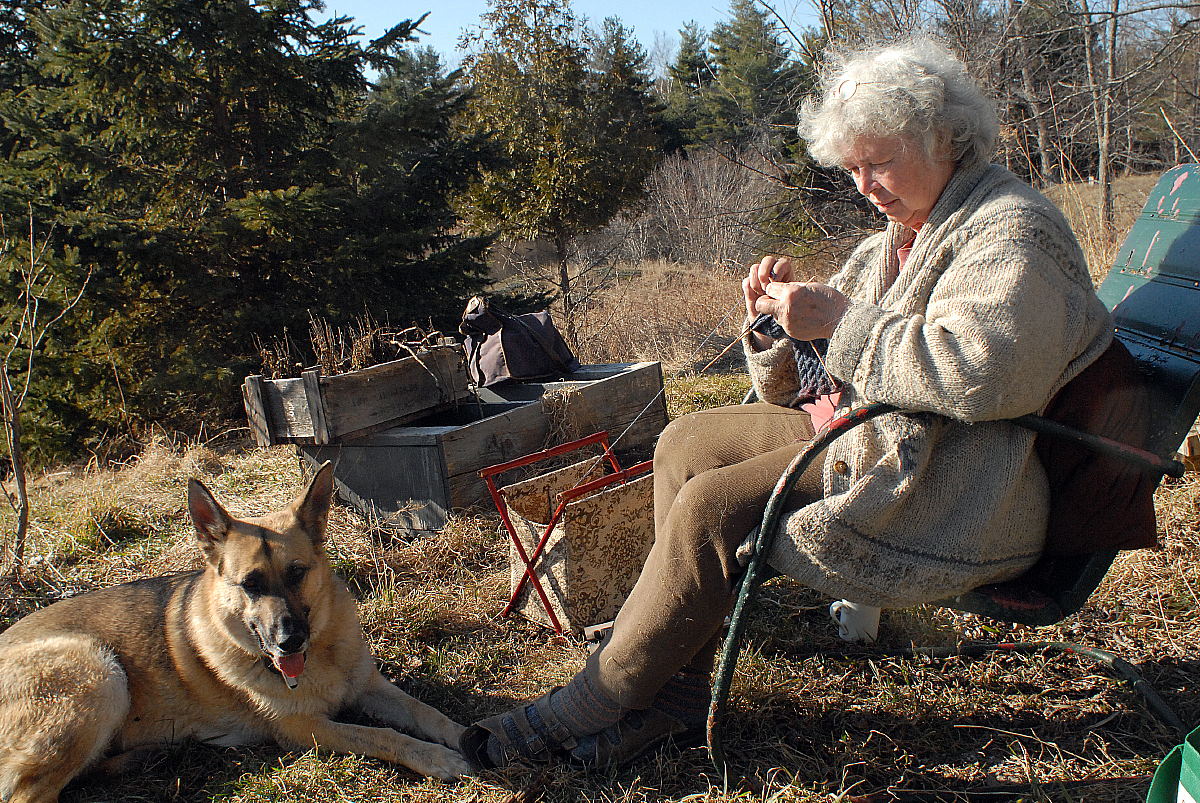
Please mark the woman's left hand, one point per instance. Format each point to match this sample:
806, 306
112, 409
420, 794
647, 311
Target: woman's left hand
805, 310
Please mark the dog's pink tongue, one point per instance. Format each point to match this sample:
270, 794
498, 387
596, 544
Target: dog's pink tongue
291, 666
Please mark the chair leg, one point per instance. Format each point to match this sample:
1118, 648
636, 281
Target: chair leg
756, 567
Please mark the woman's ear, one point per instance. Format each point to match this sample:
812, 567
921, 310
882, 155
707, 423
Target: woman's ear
943, 147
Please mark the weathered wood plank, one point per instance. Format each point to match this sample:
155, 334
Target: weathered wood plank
394, 392
403, 436
612, 403
424, 434
311, 381
616, 397
603, 404
468, 490
495, 439
287, 405
405, 486
256, 410
400, 461
316, 409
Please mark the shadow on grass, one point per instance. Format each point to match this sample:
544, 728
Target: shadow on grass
885, 756
189, 771
772, 743
784, 753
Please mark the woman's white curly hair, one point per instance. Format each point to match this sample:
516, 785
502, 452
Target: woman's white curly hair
915, 90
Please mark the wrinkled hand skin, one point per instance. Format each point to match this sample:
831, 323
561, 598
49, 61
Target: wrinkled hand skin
805, 310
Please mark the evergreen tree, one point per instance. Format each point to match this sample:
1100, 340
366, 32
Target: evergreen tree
572, 140
629, 114
17, 48
219, 168
756, 91
16, 42
414, 70
690, 74
691, 70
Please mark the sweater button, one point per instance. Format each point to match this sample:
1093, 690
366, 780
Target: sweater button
840, 467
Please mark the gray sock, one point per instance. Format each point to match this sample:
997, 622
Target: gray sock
580, 706
583, 707
685, 697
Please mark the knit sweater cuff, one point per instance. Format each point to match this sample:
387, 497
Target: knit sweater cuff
850, 338
772, 370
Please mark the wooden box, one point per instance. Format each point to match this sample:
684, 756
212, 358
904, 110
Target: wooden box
1189, 450
317, 409
414, 475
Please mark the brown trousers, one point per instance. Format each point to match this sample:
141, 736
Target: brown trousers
713, 474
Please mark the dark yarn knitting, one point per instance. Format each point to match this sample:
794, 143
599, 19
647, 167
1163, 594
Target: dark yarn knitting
815, 381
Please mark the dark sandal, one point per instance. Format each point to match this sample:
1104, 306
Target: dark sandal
636, 735
530, 732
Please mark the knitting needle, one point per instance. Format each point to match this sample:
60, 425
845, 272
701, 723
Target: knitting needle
746, 331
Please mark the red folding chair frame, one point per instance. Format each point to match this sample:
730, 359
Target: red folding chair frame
529, 560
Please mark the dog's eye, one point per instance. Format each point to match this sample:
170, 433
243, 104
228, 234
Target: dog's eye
253, 584
294, 575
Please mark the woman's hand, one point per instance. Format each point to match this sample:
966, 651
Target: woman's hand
766, 270
805, 310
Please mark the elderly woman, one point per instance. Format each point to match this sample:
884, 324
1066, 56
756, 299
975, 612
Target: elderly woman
972, 306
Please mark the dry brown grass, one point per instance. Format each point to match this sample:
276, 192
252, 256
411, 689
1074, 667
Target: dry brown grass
663, 311
680, 315
1079, 202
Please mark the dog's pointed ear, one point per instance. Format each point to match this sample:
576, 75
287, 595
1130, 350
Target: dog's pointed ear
211, 520
312, 506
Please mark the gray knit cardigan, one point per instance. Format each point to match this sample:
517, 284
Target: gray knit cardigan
992, 314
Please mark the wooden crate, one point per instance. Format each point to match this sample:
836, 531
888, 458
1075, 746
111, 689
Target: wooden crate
415, 474
1189, 450
315, 409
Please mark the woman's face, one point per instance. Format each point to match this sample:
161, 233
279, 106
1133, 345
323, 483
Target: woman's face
900, 181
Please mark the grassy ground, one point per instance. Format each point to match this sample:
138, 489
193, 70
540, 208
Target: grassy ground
808, 720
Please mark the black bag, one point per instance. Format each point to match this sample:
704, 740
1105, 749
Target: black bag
500, 346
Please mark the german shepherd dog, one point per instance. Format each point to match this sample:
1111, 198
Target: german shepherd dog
262, 644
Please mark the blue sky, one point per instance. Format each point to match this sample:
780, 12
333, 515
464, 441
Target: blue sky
649, 19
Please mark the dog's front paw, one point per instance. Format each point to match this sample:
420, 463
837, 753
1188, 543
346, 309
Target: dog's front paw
447, 764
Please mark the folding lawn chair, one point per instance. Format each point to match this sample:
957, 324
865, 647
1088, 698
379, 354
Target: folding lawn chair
1153, 291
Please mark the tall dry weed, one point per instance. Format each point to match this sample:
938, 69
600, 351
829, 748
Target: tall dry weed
707, 208
663, 312
681, 315
1079, 201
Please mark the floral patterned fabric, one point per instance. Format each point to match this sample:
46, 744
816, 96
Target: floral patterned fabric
596, 550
